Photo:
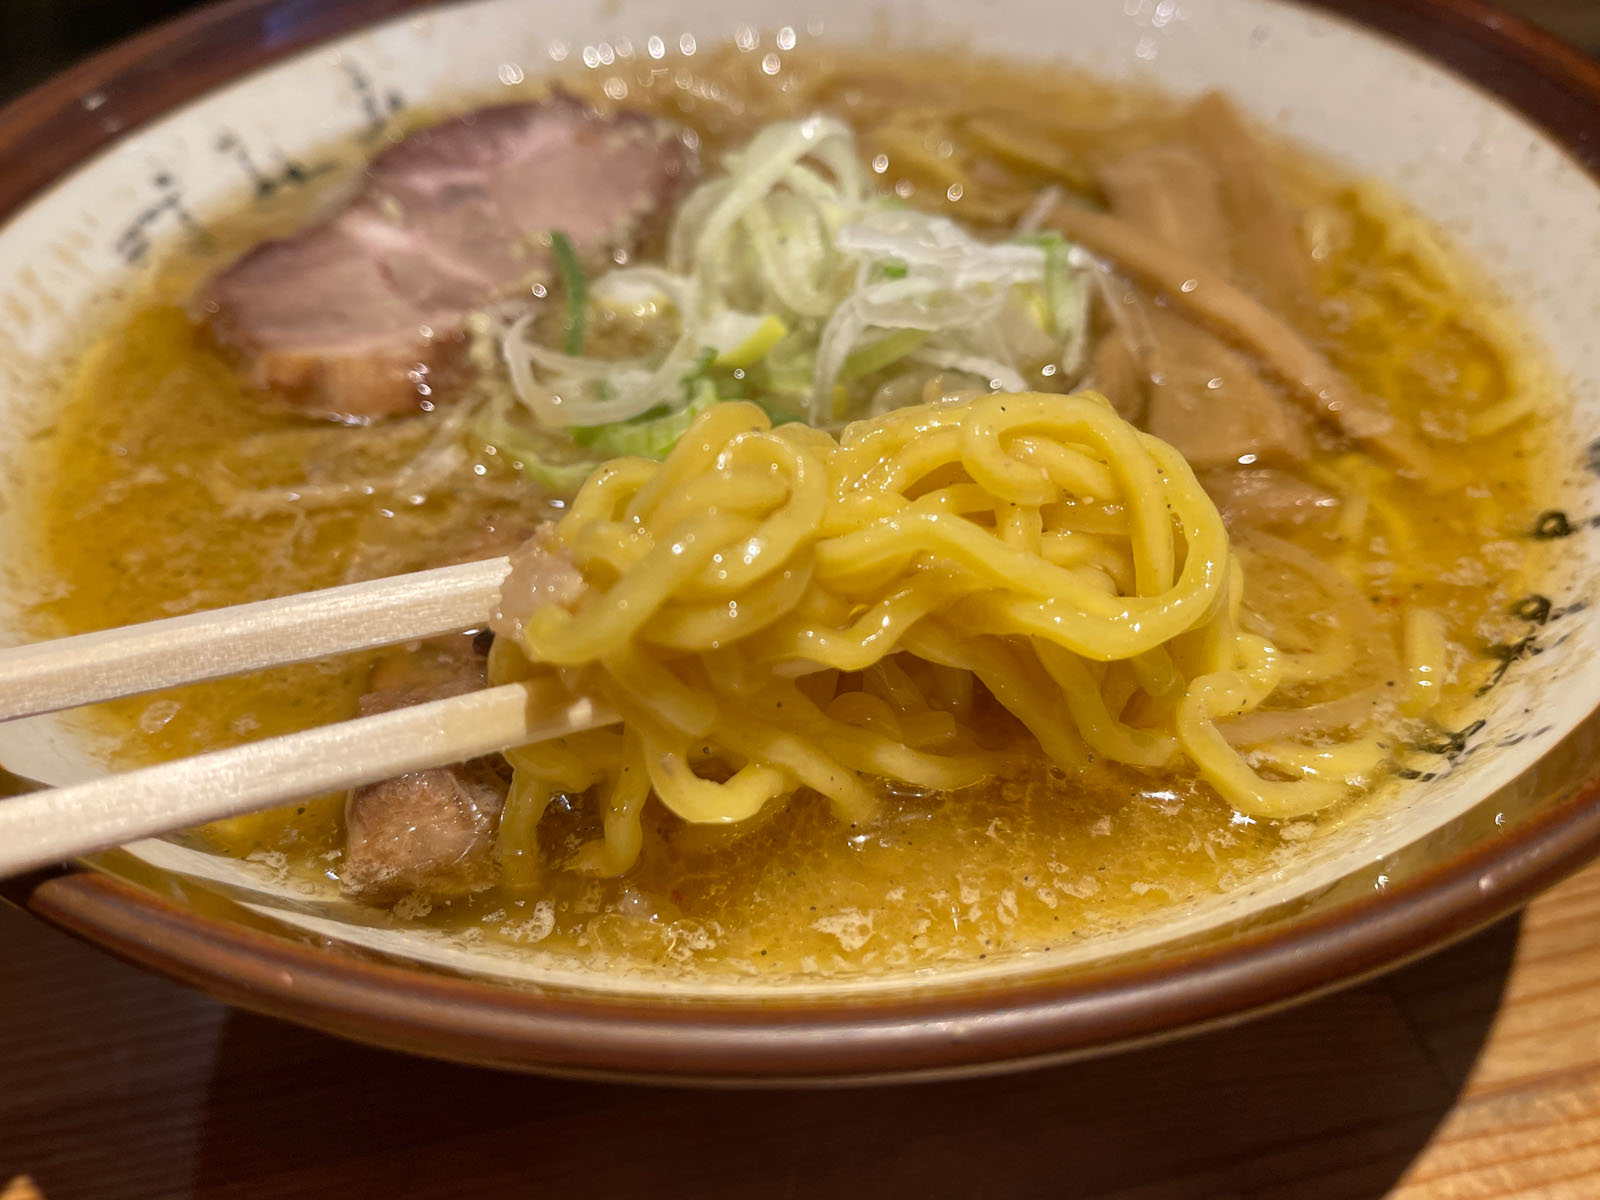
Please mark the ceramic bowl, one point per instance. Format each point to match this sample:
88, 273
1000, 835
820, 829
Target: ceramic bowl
1475, 119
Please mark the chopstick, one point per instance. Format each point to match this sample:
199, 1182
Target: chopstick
46, 827
48, 676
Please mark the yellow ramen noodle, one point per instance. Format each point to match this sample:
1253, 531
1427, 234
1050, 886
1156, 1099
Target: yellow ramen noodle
772, 610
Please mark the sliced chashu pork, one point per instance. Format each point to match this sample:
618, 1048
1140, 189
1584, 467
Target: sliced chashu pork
364, 315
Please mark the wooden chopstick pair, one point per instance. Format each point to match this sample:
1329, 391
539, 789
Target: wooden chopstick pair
47, 826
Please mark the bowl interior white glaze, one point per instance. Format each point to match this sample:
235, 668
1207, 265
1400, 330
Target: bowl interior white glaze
1511, 198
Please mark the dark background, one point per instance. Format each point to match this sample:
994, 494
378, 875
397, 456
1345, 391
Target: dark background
38, 37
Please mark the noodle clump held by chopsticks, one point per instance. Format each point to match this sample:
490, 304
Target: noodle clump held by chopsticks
770, 609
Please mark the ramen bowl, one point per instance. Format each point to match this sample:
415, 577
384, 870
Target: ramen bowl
1473, 119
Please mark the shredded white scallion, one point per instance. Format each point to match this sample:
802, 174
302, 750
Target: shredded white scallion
788, 264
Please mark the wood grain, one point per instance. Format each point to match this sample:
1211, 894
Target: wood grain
1474, 1073
134, 659
1578, 21
50, 826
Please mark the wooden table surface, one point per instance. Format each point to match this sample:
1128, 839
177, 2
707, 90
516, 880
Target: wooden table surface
1474, 1073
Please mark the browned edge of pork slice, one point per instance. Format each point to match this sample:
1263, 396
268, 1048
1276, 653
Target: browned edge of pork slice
364, 314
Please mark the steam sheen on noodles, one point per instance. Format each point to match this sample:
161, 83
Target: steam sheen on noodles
770, 609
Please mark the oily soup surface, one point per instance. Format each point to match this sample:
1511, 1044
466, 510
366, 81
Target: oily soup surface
164, 488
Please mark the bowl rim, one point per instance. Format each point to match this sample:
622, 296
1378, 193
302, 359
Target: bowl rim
49, 131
